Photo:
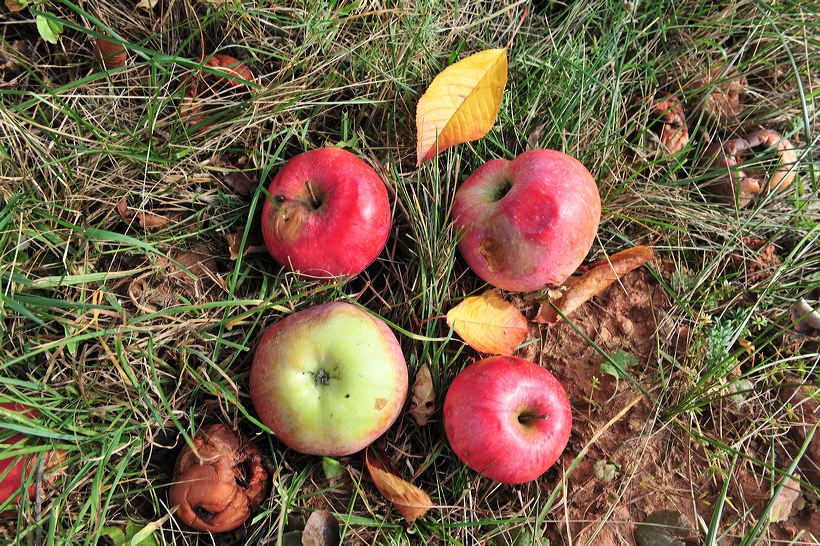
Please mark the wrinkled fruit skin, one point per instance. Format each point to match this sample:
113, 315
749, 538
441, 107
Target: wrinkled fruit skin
24, 466
528, 222
674, 133
328, 380
725, 91
206, 86
334, 226
730, 183
218, 490
481, 419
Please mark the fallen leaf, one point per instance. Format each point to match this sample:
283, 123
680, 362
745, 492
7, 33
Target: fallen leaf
253, 245
146, 220
242, 183
410, 501
593, 282
489, 324
663, 528
332, 468
620, 358
147, 5
16, 5
782, 504
321, 529
461, 103
129, 535
605, 470
200, 263
424, 396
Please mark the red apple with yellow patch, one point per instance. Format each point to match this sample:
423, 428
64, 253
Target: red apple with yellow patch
327, 215
527, 223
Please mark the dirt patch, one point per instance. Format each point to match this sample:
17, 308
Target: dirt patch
637, 466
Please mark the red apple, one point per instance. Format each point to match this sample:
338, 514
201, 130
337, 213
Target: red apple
528, 223
16, 470
507, 418
330, 215
13, 479
328, 380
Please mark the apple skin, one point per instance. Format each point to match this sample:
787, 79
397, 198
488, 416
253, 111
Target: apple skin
339, 233
527, 223
481, 418
328, 380
11, 482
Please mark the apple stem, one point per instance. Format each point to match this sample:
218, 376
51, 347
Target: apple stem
313, 201
526, 417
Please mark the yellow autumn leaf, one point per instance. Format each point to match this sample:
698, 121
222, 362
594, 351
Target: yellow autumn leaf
462, 102
489, 324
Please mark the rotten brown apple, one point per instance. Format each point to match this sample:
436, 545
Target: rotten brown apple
741, 168
219, 485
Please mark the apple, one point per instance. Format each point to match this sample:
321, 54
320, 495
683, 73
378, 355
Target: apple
13, 468
507, 418
16, 470
217, 486
328, 214
527, 223
328, 380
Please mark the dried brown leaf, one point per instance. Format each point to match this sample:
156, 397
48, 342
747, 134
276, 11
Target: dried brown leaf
253, 245
242, 183
146, 220
147, 5
410, 501
424, 396
593, 282
321, 529
16, 5
489, 324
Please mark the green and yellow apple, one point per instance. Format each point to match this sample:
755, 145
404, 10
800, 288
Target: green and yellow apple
328, 380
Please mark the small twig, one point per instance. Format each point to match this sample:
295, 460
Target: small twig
428, 319
518, 26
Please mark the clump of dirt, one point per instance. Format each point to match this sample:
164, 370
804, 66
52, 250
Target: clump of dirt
758, 260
